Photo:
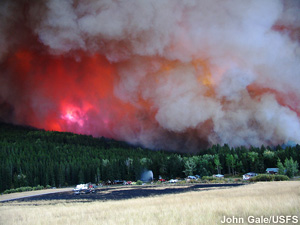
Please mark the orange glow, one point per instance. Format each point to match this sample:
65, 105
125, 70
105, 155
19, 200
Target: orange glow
204, 76
203, 72
67, 93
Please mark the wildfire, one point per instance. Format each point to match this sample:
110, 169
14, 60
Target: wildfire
172, 76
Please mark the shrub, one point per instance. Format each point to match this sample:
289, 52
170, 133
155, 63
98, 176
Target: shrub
26, 188
139, 182
193, 181
269, 177
18, 189
22, 189
13, 190
261, 177
39, 187
209, 178
7, 192
181, 182
281, 177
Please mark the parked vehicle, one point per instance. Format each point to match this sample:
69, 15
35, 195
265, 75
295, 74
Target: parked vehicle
84, 189
247, 176
173, 181
92, 188
118, 182
80, 188
218, 175
127, 182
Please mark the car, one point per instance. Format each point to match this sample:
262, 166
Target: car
247, 176
218, 175
118, 182
192, 177
92, 188
173, 181
162, 180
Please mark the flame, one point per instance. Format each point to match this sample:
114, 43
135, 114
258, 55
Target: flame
74, 115
63, 92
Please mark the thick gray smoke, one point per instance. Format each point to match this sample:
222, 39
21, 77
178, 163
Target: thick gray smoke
197, 72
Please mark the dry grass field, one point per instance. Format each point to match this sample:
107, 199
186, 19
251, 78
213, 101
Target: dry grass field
203, 207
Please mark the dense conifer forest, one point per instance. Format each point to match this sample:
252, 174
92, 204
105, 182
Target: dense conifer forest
31, 157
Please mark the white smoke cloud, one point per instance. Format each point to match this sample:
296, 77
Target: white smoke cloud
194, 61
233, 83
58, 27
179, 99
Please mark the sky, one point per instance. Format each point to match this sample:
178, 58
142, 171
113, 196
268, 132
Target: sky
170, 74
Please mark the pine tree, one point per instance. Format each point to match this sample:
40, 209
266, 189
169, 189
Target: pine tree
218, 164
291, 167
280, 167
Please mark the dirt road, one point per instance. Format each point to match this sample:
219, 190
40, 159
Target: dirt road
29, 194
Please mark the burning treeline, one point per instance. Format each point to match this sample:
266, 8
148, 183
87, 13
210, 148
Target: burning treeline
170, 74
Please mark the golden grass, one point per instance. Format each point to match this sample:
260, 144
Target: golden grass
205, 207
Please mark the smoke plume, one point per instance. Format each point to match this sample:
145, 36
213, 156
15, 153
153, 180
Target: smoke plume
168, 74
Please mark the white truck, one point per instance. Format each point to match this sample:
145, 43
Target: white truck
84, 189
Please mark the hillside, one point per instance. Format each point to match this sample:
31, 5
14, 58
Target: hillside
31, 157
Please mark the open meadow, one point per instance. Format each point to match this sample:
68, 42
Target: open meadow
197, 207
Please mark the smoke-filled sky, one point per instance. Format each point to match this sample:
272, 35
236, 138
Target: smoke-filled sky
169, 74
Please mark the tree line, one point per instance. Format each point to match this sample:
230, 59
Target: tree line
32, 157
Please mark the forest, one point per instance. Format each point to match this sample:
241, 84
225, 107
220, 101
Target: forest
31, 157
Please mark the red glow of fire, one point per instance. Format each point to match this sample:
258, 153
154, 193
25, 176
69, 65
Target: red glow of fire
56, 91
73, 94
74, 115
